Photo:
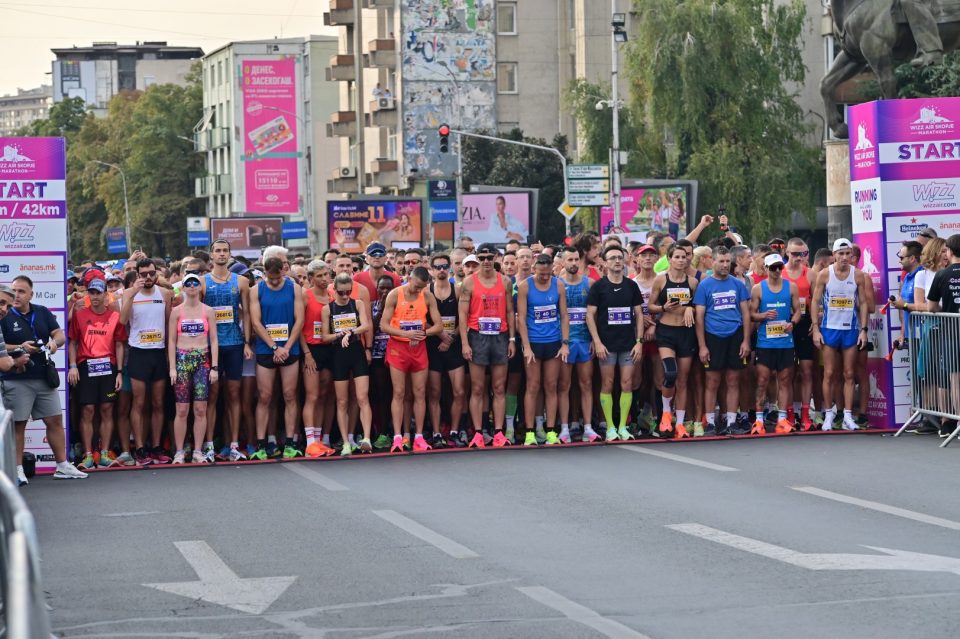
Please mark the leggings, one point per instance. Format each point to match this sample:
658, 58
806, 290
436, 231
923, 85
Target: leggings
193, 376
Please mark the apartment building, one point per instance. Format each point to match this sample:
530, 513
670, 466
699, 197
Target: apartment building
18, 111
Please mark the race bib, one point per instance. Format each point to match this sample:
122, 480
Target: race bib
681, 295
618, 315
803, 306
223, 314
191, 328
98, 367
318, 330
577, 315
489, 325
449, 323
278, 332
724, 301
380, 345
151, 337
545, 314
841, 303
776, 330
343, 322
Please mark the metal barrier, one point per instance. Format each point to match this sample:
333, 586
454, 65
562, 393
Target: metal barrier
24, 614
934, 346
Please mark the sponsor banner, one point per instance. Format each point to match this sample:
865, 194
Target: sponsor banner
247, 236
906, 226
661, 209
443, 190
198, 238
443, 211
908, 196
294, 230
494, 217
353, 224
918, 120
24, 235
863, 142
919, 152
865, 205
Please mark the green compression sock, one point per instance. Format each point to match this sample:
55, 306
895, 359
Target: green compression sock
606, 404
511, 405
626, 399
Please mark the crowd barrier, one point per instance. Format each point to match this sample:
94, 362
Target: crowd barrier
24, 608
933, 341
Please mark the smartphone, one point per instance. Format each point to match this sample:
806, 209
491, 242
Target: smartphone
722, 210
16, 352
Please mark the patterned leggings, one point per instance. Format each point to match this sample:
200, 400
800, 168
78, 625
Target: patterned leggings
193, 376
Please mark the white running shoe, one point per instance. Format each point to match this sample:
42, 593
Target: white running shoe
21, 477
612, 434
828, 418
589, 435
69, 471
850, 424
565, 436
235, 455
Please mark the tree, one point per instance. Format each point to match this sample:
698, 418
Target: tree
64, 119
938, 81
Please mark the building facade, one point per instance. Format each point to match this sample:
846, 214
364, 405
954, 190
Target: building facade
18, 111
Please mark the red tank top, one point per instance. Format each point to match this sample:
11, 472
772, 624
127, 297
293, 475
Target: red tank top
312, 321
488, 307
803, 288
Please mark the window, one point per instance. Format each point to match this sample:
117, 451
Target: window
506, 77
507, 18
70, 69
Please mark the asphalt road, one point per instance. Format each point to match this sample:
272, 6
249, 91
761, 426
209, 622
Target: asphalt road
717, 539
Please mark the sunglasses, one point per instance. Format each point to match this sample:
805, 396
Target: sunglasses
441, 267
485, 258
339, 292
775, 267
799, 253
191, 284
148, 274
412, 262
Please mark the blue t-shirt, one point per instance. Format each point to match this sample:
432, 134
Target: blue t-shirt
906, 294
722, 300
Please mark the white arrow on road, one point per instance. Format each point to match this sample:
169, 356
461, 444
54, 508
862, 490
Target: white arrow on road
220, 585
892, 559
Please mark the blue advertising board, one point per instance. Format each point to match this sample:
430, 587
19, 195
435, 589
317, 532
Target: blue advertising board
116, 240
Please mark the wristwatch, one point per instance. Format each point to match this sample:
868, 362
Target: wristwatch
274, 347
215, 368
566, 342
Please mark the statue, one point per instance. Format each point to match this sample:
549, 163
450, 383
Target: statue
881, 34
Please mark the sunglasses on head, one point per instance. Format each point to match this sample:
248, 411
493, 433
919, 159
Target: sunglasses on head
799, 253
485, 258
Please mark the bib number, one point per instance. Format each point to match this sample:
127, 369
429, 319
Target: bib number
776, 330
619, 316
98, 367
278, 332
803, 306
318, 330
489, 325
545, 314
343, 322
151, 337
681, 295
411, 325
380, 346
191, 328
841, 303
223, 314
449, 323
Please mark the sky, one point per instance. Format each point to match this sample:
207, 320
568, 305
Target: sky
30, 28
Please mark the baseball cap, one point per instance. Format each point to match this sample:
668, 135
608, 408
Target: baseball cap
97, 285
646, 248
471, 258
773, 258
257, 273
487, 247
113, 278
192, 276
239, 268
842, 244
376, 249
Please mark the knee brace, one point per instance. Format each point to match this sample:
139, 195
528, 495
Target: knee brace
669, 372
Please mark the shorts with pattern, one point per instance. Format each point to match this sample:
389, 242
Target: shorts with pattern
193, 376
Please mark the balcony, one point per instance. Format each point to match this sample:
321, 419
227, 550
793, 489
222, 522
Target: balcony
209, 139
344, 181
341, 13
378, 4
384, 173
342, 124
341, 68
212, 185
383, 53
382, 112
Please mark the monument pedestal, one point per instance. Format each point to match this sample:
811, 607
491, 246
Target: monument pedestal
838, 190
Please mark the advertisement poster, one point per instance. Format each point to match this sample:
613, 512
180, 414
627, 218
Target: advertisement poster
353, 224
33, 242
248, 236
271, 153
495, 217
661, 209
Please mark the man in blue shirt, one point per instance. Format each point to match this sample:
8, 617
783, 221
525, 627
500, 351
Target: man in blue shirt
723, 332
909, 256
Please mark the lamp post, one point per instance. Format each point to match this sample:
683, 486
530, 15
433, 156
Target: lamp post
459, 181
126, 205
617, 35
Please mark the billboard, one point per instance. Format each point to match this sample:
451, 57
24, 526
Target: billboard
495, 217
33, 242
248, 236
661, 208
352, 224
271, 145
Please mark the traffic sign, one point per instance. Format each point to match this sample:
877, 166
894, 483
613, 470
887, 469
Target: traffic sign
588, 172
588, 199
568, 211
589, 186
116, 240
294, 230
198, 238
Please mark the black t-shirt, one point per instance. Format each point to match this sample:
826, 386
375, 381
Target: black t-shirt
616, 320
17, 330
946, 289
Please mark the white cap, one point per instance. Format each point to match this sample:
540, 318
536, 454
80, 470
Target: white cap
471, 258
773, 258
841, 244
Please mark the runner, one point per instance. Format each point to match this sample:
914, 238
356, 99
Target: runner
376, 258
797, 272
775, 306
379, 375
444, 352
576, 286
317, 359
644, 394
276, 317
545, 334
192, 353
615, 322
839, 315
405, 319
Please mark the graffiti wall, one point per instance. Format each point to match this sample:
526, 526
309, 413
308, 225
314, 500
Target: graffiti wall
449, 76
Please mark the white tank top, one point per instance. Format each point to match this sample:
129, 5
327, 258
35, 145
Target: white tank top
840, 302
148, 325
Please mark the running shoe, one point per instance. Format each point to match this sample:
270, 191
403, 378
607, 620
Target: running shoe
576, 429
291, 452
863, 421
589, 435
850, 424
365, 446
666, 423
454, 440
530, 439
438, 441
273, 451
612, 435
236, 455
159, 457
564, 436
223, 454
319, 449
552, 439
541, 436
69, 471
209, 455
397, 446
828, 418
806, 425
198, 458
681, 432
477, 441
406, 442
500, 440
698, 429
420, 445
178, 458
710, 430
464, 439
784, 427
624, 434
382, 442
88, 462
741, 426
511, 435
126, 459
21, 477
346, 450
759, 428
259, 455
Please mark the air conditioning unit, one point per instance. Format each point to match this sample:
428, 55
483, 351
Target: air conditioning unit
386, 104
348, 172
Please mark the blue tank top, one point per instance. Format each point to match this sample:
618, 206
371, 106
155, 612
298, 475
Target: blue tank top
277, 315
224, 299
577, 310
543, 312
772, 333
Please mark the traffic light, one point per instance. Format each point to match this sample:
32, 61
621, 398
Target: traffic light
444, 132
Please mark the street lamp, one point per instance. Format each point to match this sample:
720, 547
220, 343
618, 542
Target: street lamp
618, 34
126, 205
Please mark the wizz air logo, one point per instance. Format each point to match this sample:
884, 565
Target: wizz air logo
16, 232
933, 192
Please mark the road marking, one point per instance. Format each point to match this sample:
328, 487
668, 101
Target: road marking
318, 478
220, 585
892, 559
581, 614
883, 508
646, 450
135, 513
435, 539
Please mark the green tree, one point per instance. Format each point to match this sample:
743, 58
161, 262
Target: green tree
939, 81
65, 118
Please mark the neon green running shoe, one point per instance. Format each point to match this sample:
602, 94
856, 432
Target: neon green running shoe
88, 462
552, 439
698, 429
382, 442
291, 452
259, 455
530, 439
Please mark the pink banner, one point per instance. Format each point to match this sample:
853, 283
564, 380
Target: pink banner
271, 151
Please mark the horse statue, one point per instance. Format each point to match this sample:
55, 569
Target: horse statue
881, 34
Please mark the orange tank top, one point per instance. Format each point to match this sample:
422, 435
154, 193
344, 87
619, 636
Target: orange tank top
409, 316
488, 307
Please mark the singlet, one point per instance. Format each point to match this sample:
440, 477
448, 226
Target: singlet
543, 312
772, 333
191, 326
803, 290
679, 291
488, 307
449, 312
409, 316
148, 321
645, 292
312, 318
840, 302
380, 338
224, 299
343, 318
277, 316
577, 309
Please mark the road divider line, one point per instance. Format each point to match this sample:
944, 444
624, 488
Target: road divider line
883, 508
720, 468
318, 478
581, 614
435, 539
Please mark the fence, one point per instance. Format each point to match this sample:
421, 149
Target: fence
934, 347
24, 614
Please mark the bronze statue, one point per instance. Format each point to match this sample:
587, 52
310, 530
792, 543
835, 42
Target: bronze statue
881, 34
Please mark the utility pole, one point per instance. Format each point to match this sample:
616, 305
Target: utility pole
126, 204
616, 28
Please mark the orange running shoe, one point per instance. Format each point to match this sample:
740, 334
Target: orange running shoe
477, 441
681, 432
758, 428
806, 425
666, 423
318, 449
784, 427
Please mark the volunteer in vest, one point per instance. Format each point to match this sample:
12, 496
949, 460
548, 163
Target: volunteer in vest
796, 271
576, 286
228, 294
775, 310
672, 299
839, 314
545, 334
276, 317
410, 316
444, 353
487, 335
648, 378
376, 259
615, 322
723, 335
96, 345
344, 324
317, 359
192, 354
145, 310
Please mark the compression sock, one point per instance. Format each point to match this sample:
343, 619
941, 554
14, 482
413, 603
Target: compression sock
511, 407
606, 405
626, 399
